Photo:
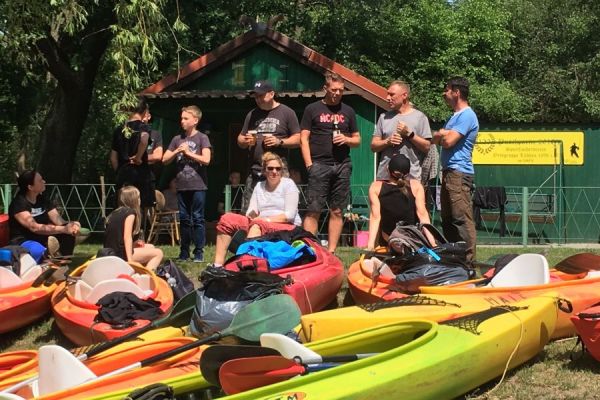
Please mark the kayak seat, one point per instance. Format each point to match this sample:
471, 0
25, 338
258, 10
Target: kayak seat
103, 268
592, 274
374, 263
26, 263
81, 290
143, 281
115, 285
9, 278
523, 270
31, 273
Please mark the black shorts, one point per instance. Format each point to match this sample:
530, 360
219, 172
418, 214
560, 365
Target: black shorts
328, 185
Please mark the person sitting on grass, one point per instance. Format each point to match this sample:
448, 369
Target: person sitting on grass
123, 227
399, 199
33, 217
273, 207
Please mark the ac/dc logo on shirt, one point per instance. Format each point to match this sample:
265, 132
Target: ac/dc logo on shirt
333, 118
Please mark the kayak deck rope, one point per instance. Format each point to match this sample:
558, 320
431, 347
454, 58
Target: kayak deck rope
416, 300
470, 323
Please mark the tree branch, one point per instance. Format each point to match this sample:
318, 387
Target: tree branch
57, 62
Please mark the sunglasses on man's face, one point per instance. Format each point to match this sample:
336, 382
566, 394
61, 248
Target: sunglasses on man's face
274, 169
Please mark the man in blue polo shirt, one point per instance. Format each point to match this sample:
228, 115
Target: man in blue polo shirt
457, 139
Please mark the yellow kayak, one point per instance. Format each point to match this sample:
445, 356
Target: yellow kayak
325, 324
422, 359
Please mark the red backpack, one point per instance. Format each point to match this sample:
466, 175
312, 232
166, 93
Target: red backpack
247, 262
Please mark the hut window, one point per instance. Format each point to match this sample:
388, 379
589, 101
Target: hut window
238, 73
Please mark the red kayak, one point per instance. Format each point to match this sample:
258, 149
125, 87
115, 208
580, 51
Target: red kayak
587, 325
74, 305
315, 284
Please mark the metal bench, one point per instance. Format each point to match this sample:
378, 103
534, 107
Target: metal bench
540, 209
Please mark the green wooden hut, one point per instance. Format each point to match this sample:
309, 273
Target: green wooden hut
218, 83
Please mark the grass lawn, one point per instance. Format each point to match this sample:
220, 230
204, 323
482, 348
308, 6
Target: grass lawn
551, 375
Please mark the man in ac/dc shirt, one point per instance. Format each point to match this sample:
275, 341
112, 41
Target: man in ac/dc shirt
271, 126
328, 131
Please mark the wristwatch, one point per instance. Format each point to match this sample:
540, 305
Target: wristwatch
280, 142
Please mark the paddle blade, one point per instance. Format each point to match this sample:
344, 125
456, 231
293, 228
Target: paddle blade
59, 369
248, 373
578, 263
215, 356
278, 314
289, 348
181, 314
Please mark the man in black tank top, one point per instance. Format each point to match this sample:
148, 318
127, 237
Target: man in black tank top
399, 199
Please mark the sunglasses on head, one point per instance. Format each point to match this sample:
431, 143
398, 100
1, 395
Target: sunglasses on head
274, 169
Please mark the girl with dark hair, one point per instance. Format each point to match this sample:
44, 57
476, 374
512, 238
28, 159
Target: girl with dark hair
33, 217
399, 199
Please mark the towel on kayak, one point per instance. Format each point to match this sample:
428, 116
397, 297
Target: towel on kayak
279, 253
120, 309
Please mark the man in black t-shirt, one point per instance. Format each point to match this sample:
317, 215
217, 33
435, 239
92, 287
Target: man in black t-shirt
328, 131
271, 126
129, 156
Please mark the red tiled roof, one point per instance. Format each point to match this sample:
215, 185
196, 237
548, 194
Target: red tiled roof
305, 55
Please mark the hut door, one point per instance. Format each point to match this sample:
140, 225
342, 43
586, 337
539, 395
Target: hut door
238, 157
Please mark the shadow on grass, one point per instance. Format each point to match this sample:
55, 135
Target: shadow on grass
42, 332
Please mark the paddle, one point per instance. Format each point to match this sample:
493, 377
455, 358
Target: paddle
277, 313
290, 349
179, 316
243, 374
216, 355
579, 263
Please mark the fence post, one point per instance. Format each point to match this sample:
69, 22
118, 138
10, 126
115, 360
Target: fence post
7, 197
227, 198
525, 216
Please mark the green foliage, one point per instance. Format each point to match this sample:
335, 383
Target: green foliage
528, 60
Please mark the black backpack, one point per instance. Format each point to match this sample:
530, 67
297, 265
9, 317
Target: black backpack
176, 278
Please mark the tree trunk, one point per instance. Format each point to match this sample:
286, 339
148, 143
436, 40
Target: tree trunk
61, 132
75, 66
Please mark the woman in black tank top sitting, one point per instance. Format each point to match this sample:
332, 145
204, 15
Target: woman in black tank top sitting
399, 199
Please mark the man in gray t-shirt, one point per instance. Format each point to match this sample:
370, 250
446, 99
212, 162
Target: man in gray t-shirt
402, 130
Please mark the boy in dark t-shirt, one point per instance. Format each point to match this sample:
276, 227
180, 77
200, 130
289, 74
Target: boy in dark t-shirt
328, 131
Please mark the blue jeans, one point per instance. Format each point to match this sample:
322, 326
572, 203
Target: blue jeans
191, 221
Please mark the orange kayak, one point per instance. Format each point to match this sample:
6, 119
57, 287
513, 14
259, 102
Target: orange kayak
364, 290
15, 366
74, 310
180, 371
23, 304
580, 290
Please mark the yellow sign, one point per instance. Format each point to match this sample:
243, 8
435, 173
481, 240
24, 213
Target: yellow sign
529, 148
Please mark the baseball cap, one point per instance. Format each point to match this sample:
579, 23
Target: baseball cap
262, 87
399, 163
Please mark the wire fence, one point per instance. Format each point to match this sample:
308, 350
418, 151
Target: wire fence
531, 215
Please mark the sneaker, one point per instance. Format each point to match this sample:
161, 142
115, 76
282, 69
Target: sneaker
199, 259
183, 257
53, 247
